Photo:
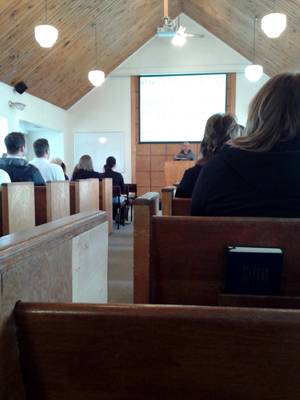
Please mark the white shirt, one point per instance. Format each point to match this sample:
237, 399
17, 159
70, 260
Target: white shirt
49, 171
4, 177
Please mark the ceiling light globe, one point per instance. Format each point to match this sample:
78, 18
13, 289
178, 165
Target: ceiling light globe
254, 72
179, 40
46, 35
96, 77
273, 24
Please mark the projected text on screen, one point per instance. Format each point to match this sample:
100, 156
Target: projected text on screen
175, 108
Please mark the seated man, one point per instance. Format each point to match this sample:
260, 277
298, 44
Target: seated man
185, 154
18, 169
49, 171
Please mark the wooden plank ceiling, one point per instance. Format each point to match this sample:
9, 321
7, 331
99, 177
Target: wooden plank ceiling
59, 74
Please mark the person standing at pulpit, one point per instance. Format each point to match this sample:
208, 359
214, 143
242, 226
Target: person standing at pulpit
185, 154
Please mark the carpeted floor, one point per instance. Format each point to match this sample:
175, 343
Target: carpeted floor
120, 264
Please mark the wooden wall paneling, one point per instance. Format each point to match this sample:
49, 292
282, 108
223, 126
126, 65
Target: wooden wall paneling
231, 93
17, 206
134, 85
58, 200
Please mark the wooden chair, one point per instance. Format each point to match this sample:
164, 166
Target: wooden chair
120, 205
52, 201
172, 205
60, 261
18, 211
181, 259
129, 199
82, 351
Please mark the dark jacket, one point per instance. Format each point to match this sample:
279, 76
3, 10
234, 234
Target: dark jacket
84, 174
20, 170
242, 183
188, 181
116, 177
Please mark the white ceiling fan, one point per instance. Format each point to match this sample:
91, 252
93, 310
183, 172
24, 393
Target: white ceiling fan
169, 29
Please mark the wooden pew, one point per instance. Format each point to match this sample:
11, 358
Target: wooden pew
181, 260
52, 201
171, 205
85, 199
17, 207
61, 261
73, 351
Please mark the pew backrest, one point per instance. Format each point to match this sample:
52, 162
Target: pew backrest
18, 211
73, 351
171, 205
105, 200
185, 257
95, 194
61, 261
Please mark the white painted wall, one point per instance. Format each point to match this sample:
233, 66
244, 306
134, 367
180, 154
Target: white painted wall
37, 111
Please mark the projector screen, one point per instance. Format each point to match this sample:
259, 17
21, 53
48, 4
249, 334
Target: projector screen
175, 108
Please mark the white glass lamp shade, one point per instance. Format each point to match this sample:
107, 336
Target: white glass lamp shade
254, 72
96, 77
179, 39
273, 24
46, 35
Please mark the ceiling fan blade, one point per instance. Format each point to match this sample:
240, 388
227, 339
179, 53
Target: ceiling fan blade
196, 35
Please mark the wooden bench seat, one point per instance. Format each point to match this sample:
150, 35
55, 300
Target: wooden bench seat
181, 259
76, 351
60, 261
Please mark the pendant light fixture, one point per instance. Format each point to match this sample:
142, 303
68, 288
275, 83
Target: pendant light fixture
254, 72
273, 24
46, 35
96, 77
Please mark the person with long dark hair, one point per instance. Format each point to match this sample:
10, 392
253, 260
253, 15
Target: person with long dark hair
116, 176
257, 174
219, 129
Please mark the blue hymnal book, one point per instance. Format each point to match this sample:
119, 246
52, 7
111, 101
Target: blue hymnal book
253, 270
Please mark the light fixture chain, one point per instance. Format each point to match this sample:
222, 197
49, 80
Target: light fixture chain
46, 11
96, 45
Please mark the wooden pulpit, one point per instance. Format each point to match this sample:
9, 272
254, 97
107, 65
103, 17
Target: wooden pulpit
174, 170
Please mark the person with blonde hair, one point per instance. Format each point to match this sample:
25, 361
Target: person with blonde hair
85, 169
257, 174
219, 129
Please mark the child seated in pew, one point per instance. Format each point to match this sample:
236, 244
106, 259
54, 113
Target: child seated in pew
219, 129
257, 174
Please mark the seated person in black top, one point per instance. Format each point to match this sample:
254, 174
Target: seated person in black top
85, 169
257, 174
219, 129
116, 176
18, 169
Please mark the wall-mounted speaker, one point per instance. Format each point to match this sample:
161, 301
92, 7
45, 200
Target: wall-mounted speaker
20, 87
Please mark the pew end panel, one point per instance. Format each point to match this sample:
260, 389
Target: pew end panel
18, 210
172, 205
187, 255
58, 262
105, 200
58, 200
95, 197
75, 351
167, 194
144, 208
